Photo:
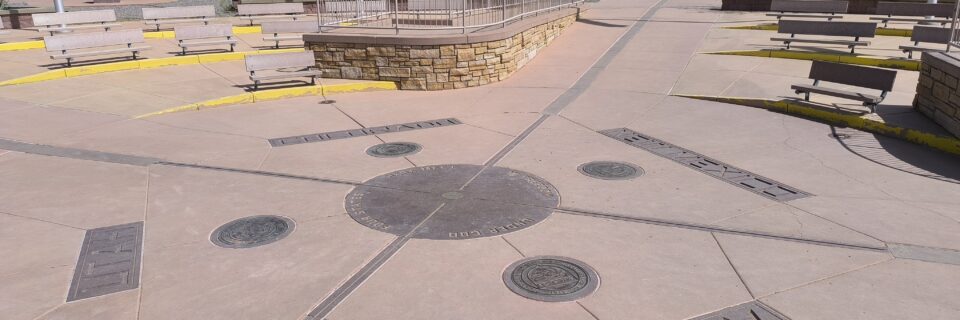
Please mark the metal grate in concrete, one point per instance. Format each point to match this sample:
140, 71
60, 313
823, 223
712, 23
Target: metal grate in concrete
752, 310
109, 261
345, 134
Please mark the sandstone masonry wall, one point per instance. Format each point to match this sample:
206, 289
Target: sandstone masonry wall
938, 93
437, 67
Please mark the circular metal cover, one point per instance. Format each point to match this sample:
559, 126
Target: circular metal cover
252, 231
551, 278
394, 149
610, 170
446, 202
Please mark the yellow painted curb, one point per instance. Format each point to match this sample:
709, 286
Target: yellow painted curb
883, 62
138, 64
23, 45
38, 44
943, 143
275, 94
893, 32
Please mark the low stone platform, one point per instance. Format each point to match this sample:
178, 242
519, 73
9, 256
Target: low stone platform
437, 61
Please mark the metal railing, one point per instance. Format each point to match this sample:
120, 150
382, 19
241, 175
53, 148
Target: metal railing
440, 16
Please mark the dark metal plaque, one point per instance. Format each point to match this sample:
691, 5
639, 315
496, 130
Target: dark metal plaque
752, 310
551, 278
252, 232
610, 170
476, 202
725, 172
394, 149
336, 135
109, 261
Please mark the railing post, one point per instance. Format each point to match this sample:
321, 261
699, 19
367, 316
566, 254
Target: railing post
953, 26
396, 15
463, 15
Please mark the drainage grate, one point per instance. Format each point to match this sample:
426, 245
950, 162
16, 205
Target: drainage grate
752, 310
839, 136
609, 170
733, 175
252, 232
551, 278
336, 135
394, 149
109, 261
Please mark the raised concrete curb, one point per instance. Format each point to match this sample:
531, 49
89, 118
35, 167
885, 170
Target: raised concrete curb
276, 94
850, 120
138, 64
38, 44
892, 63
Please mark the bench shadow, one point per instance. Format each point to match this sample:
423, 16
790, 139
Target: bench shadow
275, 85
87, 63
198, 52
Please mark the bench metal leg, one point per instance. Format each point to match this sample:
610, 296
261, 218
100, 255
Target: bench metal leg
256, 85
806, 96
313, 80
69, 61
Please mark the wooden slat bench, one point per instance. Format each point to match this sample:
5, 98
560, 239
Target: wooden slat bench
204, 36
851, 75
856, 30
282, 66
943, 12
271, 11
808, 9
278, 31
76, 20
176, 15
71, 46
926, 34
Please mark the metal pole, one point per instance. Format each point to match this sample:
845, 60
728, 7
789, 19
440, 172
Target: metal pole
396, 15
319, 22
929, 17
58, 4
463, 16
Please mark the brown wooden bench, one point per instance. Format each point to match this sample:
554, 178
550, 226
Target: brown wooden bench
864, 77
177, 15
282, 66
855, 30
75, 20
204, 36
927, 34
271, 11
943, 12
808, 9
278, 31
71, 46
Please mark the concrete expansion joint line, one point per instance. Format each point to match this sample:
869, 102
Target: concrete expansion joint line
732, 266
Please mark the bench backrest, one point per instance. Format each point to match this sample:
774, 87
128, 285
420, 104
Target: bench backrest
75, 17
915, 9
280, 60
307, 26
92, 40
811, 6
203, 31
269, 8
930, 34
865, 77
179, 12
828, 28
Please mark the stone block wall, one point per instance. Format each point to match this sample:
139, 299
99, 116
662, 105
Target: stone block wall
437, 66
938, 93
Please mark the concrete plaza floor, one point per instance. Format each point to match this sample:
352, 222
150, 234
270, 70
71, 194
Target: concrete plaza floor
877, 235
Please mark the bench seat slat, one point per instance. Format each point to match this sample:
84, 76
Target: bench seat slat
805, 15
282, 75
172, 21
98, 52
283, 38
824, 41
838, 93
911, 19
80, 27
201, 43
920, 49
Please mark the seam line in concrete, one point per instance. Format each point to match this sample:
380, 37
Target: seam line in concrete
730, 262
